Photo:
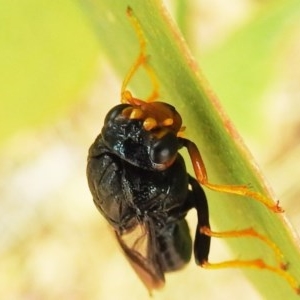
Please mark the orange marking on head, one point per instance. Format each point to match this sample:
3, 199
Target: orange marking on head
154, 114
168, 122
136, 113
149, 124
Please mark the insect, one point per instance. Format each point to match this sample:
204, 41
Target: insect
140, 184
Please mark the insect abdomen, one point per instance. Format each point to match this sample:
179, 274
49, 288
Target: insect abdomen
175, 246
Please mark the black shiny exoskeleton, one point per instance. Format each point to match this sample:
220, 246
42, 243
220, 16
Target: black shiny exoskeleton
140, 185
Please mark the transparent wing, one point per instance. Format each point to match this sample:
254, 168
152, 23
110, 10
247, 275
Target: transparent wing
140, 248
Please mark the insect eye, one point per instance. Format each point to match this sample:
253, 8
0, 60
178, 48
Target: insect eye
165, 149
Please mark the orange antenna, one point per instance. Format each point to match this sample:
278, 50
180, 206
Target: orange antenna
141, 60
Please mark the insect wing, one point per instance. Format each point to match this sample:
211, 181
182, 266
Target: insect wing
140, 248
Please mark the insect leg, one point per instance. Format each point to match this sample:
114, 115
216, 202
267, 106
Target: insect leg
202, 240
248, 232
255, 263
243, 190
141, 60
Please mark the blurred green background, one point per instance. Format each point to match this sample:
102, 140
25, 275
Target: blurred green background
56, 87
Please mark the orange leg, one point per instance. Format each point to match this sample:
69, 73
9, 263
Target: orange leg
255, 263
243, 190
141, 60
248, 232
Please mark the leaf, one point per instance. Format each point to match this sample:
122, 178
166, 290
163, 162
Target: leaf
226, 158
